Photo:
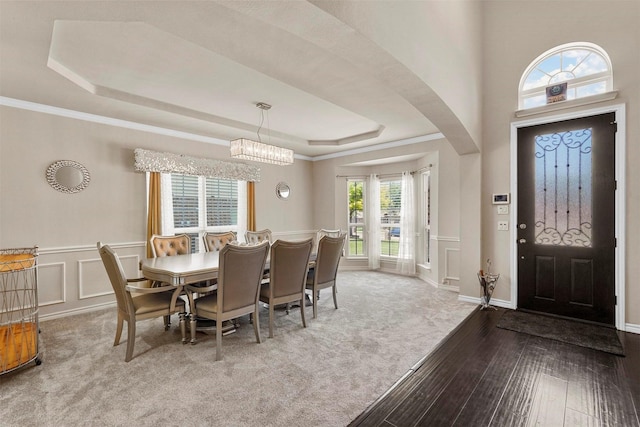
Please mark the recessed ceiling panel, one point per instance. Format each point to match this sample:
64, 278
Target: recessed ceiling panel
137, 62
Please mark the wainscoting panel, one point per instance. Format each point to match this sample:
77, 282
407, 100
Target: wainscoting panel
51, 283
93, 280
452, 264
73, 279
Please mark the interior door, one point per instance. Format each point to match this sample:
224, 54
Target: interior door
566, 218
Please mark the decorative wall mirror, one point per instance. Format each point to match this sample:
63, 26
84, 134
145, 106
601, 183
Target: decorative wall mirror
68, 176
283, 190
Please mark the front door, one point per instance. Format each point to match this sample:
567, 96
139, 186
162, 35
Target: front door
566, 218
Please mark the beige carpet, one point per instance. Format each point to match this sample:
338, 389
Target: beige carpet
324, 375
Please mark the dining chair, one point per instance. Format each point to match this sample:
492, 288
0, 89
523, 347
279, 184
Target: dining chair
239, 276
288, 267
137, 302
324, 273
170, 245
257, 236
215, 241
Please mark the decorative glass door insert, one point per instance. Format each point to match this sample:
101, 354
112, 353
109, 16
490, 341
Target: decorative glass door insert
563, 200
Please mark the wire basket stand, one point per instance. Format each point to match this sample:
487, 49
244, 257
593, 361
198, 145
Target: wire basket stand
19, 325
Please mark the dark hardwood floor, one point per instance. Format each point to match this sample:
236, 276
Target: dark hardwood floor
482, 375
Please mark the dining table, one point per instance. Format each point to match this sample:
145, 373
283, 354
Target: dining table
187, 269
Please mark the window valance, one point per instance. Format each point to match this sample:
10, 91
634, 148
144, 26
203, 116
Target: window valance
153, 161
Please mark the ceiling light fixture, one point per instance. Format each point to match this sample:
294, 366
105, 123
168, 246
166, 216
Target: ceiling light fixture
256, 151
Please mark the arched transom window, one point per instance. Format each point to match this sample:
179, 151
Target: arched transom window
584, 66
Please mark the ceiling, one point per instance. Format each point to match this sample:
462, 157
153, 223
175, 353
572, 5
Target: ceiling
201, 67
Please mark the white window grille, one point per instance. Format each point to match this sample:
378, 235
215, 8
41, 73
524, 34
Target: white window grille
584, 66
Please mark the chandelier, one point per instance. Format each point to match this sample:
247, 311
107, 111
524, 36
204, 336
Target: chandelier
257, 151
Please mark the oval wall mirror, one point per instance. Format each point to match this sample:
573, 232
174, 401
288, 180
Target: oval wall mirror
68, 176
283, 190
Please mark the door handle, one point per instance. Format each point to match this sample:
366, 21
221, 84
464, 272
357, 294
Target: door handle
521, 241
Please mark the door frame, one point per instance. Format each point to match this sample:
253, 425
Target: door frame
620, 205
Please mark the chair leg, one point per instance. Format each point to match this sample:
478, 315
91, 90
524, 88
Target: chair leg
167, 322
271, 313
193, 324
335, 297
315, 303
256, 324
118, 330
183, 327
302, 304
218, 339
131, 338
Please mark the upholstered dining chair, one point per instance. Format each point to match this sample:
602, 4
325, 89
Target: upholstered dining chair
179, 244
288, 267
215, 241
170, 245
239, 275
258, 236
137, 302
324, 273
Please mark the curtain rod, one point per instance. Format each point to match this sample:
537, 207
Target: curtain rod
422, 169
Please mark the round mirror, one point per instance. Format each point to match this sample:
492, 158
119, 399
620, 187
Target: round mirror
283, 190
68, 176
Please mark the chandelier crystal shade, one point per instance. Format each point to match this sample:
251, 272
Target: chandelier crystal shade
257, 151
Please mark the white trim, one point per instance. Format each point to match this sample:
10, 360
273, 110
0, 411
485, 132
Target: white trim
446, 264
620, 204
85, 248
382, 146
445, 238
495, 302
578, 102
634, 329
74, 311
62, 288
63, 112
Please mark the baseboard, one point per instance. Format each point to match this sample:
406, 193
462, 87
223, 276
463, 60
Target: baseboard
634, 329
75, 311
495, 302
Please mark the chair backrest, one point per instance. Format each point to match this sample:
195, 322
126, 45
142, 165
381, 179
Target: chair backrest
116, 277
170, 245
258, 236
328, 258
239, 275
325, 232
213, 242
288, 267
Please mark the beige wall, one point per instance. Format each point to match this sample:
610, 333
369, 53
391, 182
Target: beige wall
510, 44
112, 208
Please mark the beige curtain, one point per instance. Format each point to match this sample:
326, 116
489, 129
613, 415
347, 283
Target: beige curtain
154, 216
251, 206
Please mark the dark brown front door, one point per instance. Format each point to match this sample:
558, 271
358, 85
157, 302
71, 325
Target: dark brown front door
566, 218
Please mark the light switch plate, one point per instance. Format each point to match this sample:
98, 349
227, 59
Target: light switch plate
503, 209
503, 225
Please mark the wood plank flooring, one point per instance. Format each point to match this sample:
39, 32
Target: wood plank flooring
482, 375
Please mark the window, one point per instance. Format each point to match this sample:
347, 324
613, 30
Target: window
203, 204
390, 200
584, 66
356, 222
426, 218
